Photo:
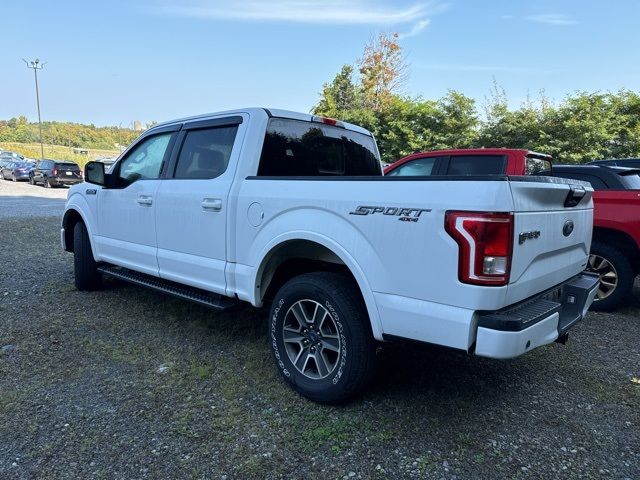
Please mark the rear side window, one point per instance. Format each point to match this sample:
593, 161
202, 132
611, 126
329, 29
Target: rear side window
205, 153
420, 167
477, 165
537, 166
295, 148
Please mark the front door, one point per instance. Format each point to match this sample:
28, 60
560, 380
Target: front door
126, 213
192, 207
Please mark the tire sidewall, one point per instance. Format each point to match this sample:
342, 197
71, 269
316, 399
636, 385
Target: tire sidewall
284, 300
624, 271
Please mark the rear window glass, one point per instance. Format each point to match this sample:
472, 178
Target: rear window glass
67, 166
476, 165
295, 148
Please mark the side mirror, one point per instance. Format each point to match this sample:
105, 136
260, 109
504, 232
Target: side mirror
94, 173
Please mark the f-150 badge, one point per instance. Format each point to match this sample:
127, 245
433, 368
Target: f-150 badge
524, 236
403, 214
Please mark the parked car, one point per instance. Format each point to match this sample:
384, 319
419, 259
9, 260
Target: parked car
478, 161
292, 210
615, 251
618, 162
108, 162
16, 171
11, 156
53, 173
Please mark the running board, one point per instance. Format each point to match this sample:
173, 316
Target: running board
196, 295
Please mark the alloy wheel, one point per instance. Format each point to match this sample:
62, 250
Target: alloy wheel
608, 276
311, 339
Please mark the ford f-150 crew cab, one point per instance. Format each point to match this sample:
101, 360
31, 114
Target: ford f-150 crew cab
292, 211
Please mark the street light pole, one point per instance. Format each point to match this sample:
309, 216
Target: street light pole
36, 65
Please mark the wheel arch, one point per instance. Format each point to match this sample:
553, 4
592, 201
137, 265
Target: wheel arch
72, 215
305, 252
620, 240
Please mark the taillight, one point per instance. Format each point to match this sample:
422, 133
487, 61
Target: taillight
54, 171
485, 242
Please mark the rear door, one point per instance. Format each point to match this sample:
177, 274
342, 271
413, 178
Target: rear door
553, 224
193, 203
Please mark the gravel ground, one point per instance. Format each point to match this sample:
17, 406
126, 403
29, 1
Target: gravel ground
126, 383
19, 199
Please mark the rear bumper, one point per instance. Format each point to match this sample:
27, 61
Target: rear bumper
65, 181
537, 321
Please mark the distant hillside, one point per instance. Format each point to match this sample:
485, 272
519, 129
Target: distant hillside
20, 130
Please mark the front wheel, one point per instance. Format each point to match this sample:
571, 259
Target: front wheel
31, 180
321, 337
616, 276
87, 277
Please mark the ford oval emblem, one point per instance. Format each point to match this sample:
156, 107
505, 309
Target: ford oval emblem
568, 228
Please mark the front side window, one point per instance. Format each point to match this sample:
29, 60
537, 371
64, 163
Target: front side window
205, 153
295, 148
144, 162
421, 167
477, 165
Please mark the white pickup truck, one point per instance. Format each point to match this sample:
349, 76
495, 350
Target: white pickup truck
292, 211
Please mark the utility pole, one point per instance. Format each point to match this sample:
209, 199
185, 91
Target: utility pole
36, 65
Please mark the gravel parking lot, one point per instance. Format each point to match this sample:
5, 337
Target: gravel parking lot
127, 383
19, 199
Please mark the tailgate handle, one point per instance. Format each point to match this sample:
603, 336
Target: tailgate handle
575, 195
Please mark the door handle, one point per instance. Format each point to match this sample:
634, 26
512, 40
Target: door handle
145, 200
211, 204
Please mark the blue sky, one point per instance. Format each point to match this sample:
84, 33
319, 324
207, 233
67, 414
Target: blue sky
111, 62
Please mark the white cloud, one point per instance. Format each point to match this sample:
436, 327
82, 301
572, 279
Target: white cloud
417, 28
557, 19
300, 11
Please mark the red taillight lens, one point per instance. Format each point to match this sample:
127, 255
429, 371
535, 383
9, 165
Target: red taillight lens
54, 171
485, 242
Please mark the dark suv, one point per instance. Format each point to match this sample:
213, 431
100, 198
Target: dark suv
52, 173
618, 162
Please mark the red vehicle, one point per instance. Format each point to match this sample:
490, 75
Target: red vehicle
478, 161
615, 251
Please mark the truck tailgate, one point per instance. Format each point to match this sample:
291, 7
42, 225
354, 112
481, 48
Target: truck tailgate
553, 224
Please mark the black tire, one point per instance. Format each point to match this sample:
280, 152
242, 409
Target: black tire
87, 277
625, 276
45, 182
14, 178
354, 363
31, 180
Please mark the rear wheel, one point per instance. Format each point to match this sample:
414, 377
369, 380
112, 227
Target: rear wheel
616, 276
45, 182
87, 277
31, 180
321, 337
